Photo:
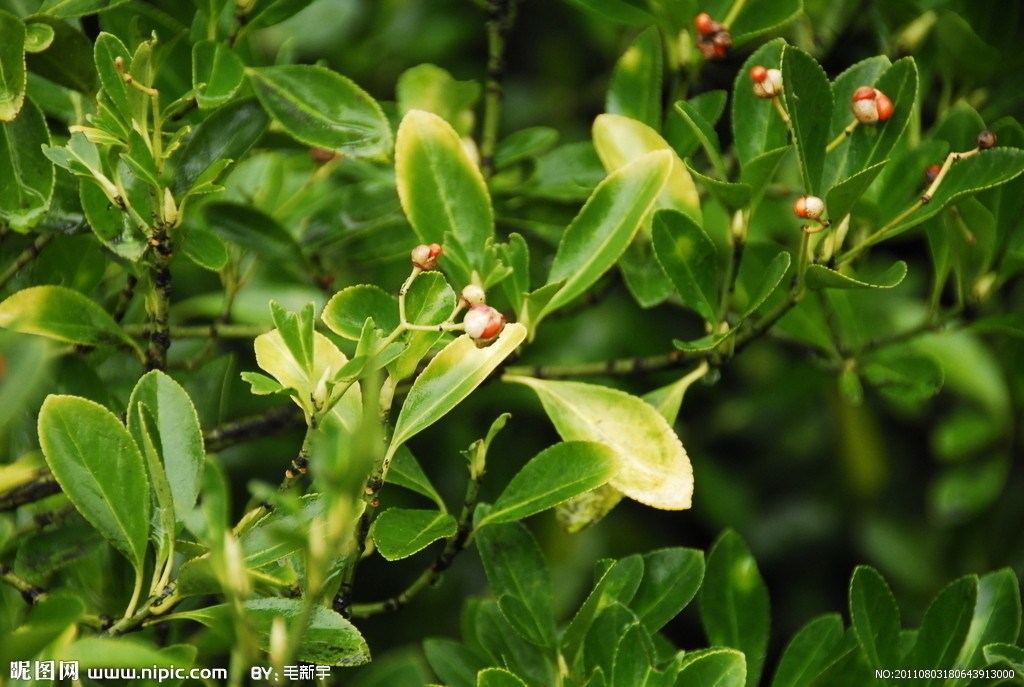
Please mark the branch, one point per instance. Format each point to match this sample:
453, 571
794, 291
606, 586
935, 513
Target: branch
27, 256
501, 14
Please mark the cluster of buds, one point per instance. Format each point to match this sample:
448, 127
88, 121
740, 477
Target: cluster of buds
424, 256
483, 324
870, 105
714, 40
767, 82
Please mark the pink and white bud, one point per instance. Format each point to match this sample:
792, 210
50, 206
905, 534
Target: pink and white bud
473, 294
483, 324
425, 255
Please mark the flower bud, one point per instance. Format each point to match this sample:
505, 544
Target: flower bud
473, 294
870, 105
425, 256
986, 140
483, 324
767, 82
705, 24
809, 207
931, 172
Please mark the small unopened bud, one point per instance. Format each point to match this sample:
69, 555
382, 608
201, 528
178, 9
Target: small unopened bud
986, 140
870, 105
473, 294
767, 82
714, 40
705, 24
483, 324
809, 207
322, 155
425, 256
931, 172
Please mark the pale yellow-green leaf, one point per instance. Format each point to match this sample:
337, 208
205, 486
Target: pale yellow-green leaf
620, 140
655, 469
273, 356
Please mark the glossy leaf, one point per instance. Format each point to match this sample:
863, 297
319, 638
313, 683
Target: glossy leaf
810, 652
498, 677
217, 72
255, 230
671, 579
945, 626
808, 97
175, 433
863, 73
602, 230
632, 661
112, 226
401, 532
67, 9
100, 469
454, 662
635, 88
718, 667
756, 125
205, 248
730, 196
843, 196
518, 575
653, 466
68, 61
225, 135
553, 476
61, 313
617, 583
38, 36
347, 311
406, 472
821, 277
688, 257
734, 607
448, 379
704, 132
322, 108
106, 51
758, 17
685, 139
875, 617
430, 88
274, 356
769, 280
997, 617
13, 77
27, 191
620, 141
442, 190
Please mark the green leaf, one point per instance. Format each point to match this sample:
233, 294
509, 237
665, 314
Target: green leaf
112, 226
275, 356
704, 132
645, 278
27, 191
44, 552
875, 617
996, 617
282, 533
714, 667
1005, 653
687, 255
13, 77
945, 626
981, 171
38, 36
347, 311
654, 468
205, 248
100, 469
518, 575
401, 532
621, 11
632, 660
554, 475
406, 472
68, 9
904, 375
451, 376
682, 134
843, 196
497, 677
769, 281
119, 652
430, 88
61, 313
442, 191
454, 662
761, 16
821, 277
47, 619
524, 144
620, 141
602, 230
253, 229
808, 97
671, 579
430, 301
756, 125
617, 584
107, 49
635, 89
175, 433
217, 72
730, 196
734, 607
759, 172
505, 645
322, 108
810, 652
225, 135
69, 59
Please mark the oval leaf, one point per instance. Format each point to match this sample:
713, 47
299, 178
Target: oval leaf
100, 469
821, 277
401, 532
217, 73
347, 311
688, 257
28, 175
718, 667
635, 89
875, 617
13, 77
224, 136
653, 466
809, 652
809, 98
553, 476
757, 127
63, 314
322, 108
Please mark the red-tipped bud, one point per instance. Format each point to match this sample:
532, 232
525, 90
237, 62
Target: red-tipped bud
758, 73
986, 140
870, 105
425, 255
932, 172
767, 82
809, 207
705, 24
473, 294
483, 324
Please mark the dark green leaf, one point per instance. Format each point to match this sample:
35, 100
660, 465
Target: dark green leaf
996, 617
704, 343
622, 11
759, 172
1005, 653
618, 584
107, 50
810, 652
506, 647
704, 132
498, 677
100, 469
44, 552
635, 89
761, 16
406, 472
13, 77
63, 314
27, 190
863, 73
67, 9
226, 135
253, 229
217, 72
454, 662
205, 248
688, 257
401, 532
554, 475
756, 125
518, 575
734, 607
347, 311
904, 375
731, 196
270, 12
632, 662
113, 226
808, 97
523, 144
875, 618
69, 59
843, 196
945, 626
645, 279
769, 280
821, 277
322, 108
671, 579
717, 667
